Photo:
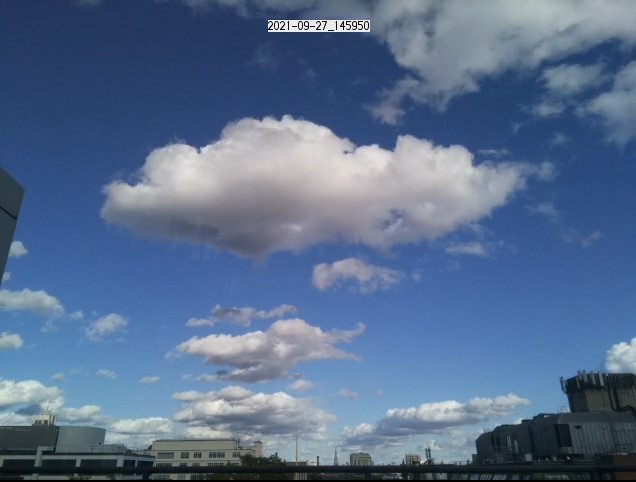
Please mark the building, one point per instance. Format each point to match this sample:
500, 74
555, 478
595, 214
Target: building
360, 458
600, 391
46, 445
412, 459
199, 453
602, 423
11, 194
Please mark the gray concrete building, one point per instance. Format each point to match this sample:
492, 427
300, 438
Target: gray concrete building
602, 422
11, 194
360, 458
44, 444
587, 392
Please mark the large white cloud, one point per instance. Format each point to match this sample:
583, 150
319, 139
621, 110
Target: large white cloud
28, 392
617, 107
37, 302
237, 410
259, 355
106, 326
10, 341
428, 417
240, 316
483, 39
621, 358
284, 185
367, 277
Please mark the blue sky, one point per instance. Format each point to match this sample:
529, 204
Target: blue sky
379, 241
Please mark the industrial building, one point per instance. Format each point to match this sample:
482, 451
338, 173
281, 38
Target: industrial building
199, 453
360, 458
11, 194
46, 445
600, 391
602, 422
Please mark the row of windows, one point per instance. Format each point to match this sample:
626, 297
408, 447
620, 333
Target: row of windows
197, 455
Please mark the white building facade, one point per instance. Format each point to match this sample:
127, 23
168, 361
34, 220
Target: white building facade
199, 453
360, 458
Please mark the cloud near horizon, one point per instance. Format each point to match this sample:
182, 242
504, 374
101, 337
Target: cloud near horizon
428, 417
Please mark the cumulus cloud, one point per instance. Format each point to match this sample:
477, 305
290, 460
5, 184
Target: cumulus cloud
37, 302
237, 410
6, 276
149, 425
28, 392
104, 327
484, 40
258, 356
58, 377
305, 186
617, 107
86, 414
621, 358
428, 417
107, 374
366, 277
348, 394
569, 80
17, 249
488, 40
149, 380
301, 385
9, 341
240, 316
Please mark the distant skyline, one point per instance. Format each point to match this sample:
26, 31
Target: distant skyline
381, 242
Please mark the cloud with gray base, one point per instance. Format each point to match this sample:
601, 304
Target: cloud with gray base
37, 302
17, 249
287, 184
10, 341
399, 423
241, 316
362, 276
258, 356
238, 410
621, 358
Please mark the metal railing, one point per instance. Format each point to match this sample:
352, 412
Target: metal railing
581, 470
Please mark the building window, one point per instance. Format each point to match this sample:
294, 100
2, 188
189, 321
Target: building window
181, 477
164, 465
183, 464
215, 464
196, 465
165, 455
564, 438
236, 455
196, 455
217, 455
185, 455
